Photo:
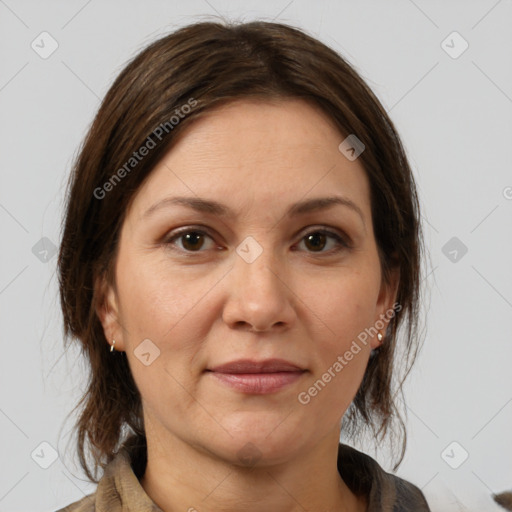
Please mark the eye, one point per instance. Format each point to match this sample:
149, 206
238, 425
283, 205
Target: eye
193, 240
317, 240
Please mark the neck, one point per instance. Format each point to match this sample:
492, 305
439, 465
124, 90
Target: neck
181, 477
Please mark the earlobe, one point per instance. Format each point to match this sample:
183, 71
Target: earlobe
386, 306
379, 338
108, 313
389, 291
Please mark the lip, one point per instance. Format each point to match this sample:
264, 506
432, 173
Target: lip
251, 366
257, 377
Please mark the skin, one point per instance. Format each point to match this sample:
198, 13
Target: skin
300, 301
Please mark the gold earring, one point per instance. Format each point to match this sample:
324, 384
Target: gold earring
379, 336
112, 346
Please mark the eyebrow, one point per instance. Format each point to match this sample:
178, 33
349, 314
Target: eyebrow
221, 210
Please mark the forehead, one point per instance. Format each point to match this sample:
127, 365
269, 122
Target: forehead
260, 153
251, 130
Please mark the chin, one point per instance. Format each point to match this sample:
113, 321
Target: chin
248, 448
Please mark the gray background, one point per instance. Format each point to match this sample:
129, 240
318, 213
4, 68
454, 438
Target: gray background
455, 118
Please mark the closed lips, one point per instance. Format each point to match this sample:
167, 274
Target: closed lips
245, 366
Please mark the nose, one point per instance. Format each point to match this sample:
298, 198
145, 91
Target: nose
260, 296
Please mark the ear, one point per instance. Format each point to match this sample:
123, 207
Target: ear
107, 309
385, 302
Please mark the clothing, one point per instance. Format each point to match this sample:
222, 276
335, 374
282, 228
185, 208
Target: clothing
119, 489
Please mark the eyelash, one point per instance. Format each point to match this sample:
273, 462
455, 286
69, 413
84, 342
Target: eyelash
342, 243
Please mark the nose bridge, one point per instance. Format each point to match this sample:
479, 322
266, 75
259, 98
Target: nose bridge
257, 266
258, 295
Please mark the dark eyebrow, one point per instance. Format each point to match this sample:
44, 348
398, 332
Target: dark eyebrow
221, 210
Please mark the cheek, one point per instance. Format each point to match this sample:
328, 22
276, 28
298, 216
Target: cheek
172, 310
160, 306
346, 306
155, 301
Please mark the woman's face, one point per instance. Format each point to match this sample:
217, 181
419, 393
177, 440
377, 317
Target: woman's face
255, 279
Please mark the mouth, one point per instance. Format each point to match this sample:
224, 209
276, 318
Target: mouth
257, 377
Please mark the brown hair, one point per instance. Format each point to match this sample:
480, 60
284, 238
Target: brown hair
207, 64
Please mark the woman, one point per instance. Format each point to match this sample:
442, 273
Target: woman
241, 245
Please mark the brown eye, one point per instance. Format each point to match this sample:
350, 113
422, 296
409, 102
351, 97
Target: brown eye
316, 241
191, 240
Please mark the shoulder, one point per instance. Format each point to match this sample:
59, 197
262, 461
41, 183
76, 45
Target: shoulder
385, 491
86, 504
117, 486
